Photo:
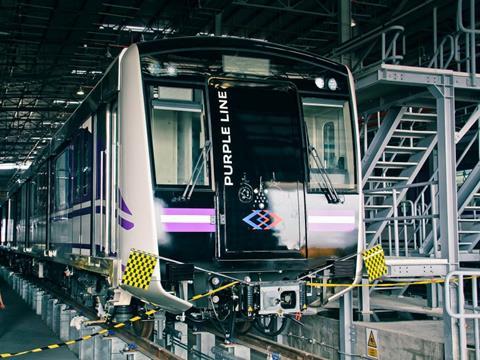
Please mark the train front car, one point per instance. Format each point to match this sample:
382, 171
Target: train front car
241, 158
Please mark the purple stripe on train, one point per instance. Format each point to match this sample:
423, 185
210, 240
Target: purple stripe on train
188, 220
331, 221
124, 223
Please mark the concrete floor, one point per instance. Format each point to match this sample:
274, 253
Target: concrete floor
21, 329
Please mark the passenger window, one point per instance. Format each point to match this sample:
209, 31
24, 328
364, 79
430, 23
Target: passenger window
178, 135
62, 180
83, 162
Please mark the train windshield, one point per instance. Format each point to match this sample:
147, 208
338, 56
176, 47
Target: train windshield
178, 135
329, 129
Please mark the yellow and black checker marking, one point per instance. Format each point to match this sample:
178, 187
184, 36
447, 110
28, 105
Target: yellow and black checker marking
139, 270
375, 262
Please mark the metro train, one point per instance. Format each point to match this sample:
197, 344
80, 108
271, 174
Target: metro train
229, 159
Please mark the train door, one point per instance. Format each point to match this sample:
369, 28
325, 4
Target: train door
38, 208
2, 224
81, 215
9, 230
104, 184
259, 170
61, 225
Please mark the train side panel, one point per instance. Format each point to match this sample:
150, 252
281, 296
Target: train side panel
137, 229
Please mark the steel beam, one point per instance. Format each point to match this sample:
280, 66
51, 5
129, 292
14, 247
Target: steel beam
416, 76
447, 191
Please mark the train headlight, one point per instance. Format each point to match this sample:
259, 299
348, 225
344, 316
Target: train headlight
320, 82
332, 84
215, 281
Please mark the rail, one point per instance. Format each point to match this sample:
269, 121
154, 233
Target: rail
259, 344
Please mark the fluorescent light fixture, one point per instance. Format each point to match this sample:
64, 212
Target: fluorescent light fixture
15, 166
140, 29
171, 70
322, 105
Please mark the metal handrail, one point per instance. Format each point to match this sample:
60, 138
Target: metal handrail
399, 186
440, 50
460, 18
388, 51
350, 46
457, 309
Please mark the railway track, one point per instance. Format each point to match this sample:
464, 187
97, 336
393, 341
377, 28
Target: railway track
260, 345
268, 347
143, 345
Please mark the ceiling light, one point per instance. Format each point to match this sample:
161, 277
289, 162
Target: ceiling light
353, 23
171, 70
15, 166
80, 91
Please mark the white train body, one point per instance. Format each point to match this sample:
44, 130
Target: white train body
102, 188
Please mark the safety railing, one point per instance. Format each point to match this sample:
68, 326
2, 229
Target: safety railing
438, 59
410, 222
471, 32
392, 48
461, 304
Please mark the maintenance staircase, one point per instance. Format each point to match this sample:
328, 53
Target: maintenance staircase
400, 210
468, 206
402, 143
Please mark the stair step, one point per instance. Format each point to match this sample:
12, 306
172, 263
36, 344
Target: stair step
395, 164
404, 149
387, 178
419, 117
382, 206
468, 232
469, 256
423, 115
464, 243
472, 208
413, 133
469, 220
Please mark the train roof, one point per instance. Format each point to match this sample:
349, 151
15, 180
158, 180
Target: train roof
108, 84
230, 42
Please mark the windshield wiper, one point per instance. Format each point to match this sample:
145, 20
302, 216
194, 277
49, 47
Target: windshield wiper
330, 191
197, 170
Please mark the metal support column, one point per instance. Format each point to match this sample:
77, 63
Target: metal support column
447, 191
218, 24
345, 23
346, 326
364, 297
